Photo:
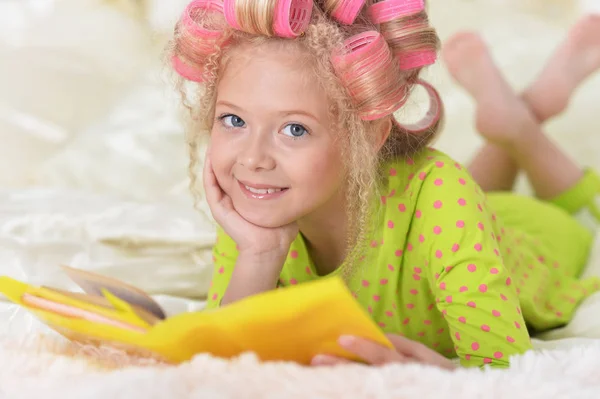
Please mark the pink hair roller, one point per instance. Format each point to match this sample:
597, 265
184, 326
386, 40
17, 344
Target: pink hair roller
388, 10
394, 106
196, 41
229, 12
357, 46
416, 59
193, 74
433, 115
291, 17
347, 11
362, 54
193, 27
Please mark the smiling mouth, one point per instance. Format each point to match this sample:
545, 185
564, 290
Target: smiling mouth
263, 191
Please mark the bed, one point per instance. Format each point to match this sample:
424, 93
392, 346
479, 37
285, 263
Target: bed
93, 175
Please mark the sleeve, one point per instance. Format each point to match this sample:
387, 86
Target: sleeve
224, 257
472, 286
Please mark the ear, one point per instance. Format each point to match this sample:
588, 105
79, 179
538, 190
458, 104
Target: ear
382, 130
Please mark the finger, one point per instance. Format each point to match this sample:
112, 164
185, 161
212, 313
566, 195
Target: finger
419, 352
328, 360
220, 204
214, 193
405, 346
412, 348
212, 189
369, 351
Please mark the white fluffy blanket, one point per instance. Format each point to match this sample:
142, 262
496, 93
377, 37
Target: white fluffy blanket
38, 368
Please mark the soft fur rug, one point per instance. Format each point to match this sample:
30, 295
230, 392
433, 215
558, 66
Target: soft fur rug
45, 368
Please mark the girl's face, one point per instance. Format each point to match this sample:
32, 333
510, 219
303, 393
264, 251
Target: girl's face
271, 149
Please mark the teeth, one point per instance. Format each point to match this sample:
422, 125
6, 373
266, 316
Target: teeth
262, 190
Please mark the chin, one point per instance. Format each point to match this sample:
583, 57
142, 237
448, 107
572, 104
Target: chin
267, 219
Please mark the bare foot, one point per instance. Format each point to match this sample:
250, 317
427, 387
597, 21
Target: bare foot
575, 59
502, 118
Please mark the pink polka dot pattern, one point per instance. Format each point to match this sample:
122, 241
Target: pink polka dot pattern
443, 269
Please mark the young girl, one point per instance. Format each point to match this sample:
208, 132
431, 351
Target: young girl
309, 174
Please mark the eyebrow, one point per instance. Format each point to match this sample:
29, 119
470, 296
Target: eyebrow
283, 113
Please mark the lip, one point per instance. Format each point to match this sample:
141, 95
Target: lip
266, 196
257, 185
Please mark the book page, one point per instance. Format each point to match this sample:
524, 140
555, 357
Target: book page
93, 284
148, 317
71, 311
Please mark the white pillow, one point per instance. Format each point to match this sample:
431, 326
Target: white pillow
164, 249
61, 68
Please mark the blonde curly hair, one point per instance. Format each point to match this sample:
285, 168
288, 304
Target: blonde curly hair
203, 60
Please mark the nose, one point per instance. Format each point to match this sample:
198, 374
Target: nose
256, 153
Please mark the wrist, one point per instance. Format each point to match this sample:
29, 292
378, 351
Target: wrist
266, 264
256, 255
254, 273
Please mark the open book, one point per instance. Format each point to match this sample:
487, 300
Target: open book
288, 324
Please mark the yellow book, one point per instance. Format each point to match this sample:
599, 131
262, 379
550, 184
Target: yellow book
286, 324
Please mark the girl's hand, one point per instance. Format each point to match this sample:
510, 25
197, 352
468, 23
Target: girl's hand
250, 238
406, 351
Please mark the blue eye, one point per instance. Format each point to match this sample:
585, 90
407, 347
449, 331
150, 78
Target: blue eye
232, 121
294, 130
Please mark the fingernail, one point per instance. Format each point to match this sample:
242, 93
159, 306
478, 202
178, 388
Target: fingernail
346, 340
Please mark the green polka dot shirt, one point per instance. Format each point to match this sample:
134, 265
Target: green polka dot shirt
442, 270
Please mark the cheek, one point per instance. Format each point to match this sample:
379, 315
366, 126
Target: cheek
324, 169
221, 159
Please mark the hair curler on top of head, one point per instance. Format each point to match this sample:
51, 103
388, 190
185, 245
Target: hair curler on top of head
282, 18
198, 31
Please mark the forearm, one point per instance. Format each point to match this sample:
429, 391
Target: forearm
253, 274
